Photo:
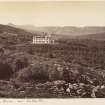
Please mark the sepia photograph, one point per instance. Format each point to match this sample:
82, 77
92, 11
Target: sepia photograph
52, 49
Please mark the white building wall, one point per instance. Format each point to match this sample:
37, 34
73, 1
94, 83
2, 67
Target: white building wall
39, 40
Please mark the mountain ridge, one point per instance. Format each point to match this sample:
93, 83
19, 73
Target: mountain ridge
65, 30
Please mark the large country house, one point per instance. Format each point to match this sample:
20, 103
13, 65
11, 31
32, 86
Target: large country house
44, 38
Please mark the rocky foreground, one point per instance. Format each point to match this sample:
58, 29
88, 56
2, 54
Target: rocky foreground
55, 89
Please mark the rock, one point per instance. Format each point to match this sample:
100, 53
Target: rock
59, 82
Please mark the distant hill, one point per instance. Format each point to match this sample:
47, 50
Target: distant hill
9, 34
97, 36
12, 29
66, 30
89, 32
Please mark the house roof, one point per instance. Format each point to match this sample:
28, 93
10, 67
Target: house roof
42, 35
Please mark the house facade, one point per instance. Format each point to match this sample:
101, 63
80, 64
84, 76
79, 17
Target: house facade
43, 39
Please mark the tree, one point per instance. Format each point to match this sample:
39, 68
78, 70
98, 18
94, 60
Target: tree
5, 71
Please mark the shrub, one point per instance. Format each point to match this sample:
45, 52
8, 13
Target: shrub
66, 75
5, 71
31, 51
24, 75
55, 72
36, 72
21, 63
40, 73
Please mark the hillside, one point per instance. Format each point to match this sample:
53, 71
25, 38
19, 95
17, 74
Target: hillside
98, 36
43, 71
47, 71
13, 35
66, 30
10, 29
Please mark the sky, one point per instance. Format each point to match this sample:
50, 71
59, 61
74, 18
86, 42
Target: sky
53, 13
